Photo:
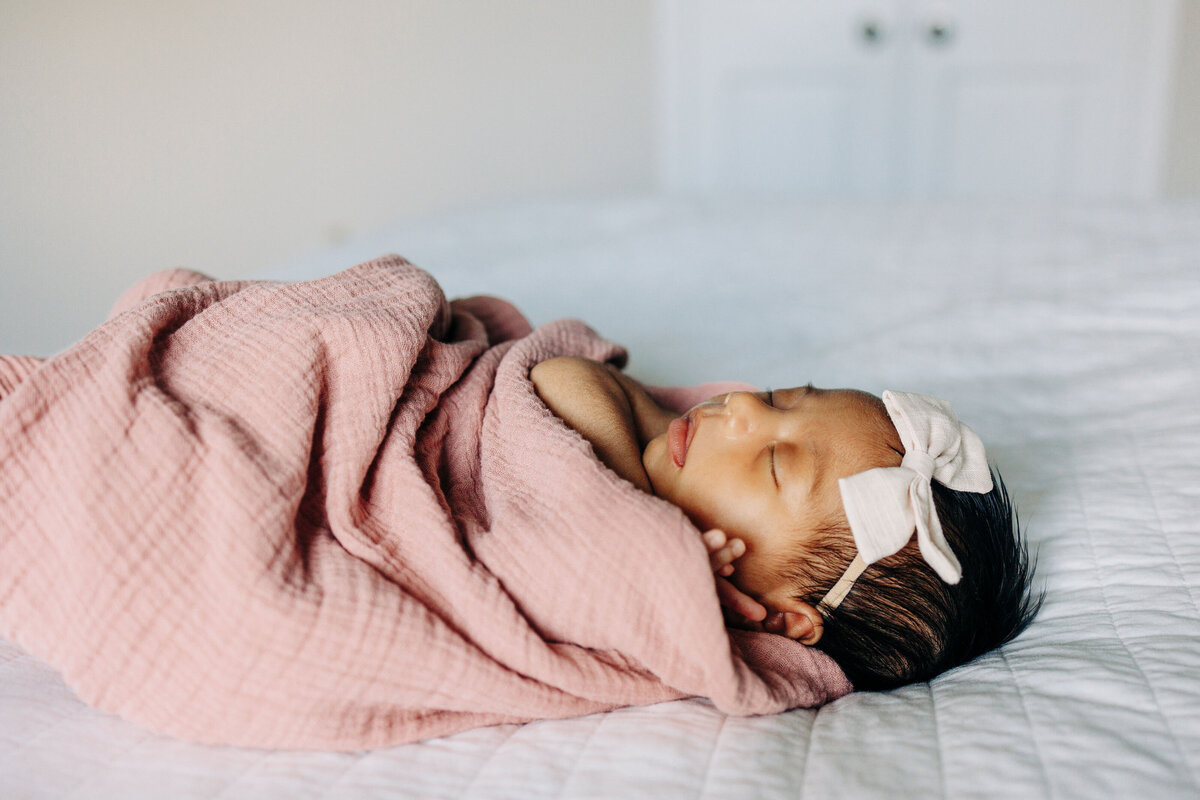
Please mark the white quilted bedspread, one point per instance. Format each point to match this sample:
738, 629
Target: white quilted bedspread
1069, 338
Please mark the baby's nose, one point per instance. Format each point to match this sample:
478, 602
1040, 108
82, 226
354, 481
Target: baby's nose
742, 402
745, 412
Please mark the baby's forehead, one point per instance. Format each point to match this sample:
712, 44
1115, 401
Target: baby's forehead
865, 430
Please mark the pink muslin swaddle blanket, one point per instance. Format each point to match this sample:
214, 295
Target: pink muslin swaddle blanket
335, 514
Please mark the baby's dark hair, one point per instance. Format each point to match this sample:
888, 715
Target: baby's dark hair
901, 623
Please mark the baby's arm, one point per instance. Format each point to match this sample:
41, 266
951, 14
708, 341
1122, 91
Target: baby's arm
607, 408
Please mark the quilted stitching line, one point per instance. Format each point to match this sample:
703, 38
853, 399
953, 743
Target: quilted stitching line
77, 708
490, 758
712, 755
1174, 561
937, 737
579, 755
1112, 619
1137, 452
351, 763
812, 734
231, 782
87, 783
1033, 733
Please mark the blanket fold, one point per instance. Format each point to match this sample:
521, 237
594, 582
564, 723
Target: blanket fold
335, 514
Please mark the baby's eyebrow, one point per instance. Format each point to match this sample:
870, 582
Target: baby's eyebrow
784, 398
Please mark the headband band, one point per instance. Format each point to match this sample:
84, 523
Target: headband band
884, 506
834, 597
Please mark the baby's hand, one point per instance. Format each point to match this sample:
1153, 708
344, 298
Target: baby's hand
722, 552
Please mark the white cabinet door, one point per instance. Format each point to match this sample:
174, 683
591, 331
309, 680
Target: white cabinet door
1030, 98
791, 96
962, 98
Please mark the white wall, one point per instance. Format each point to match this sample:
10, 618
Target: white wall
137, 134
225, 136
1182, 177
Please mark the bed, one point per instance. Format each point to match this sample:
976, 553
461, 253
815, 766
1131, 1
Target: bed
1069, 338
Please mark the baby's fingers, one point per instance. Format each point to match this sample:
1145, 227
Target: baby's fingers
722, 559
736, 601
713, 539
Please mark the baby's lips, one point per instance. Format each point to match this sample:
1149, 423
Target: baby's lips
677, 436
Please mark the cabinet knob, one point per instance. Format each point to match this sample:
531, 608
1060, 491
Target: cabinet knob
940, 33
871, 31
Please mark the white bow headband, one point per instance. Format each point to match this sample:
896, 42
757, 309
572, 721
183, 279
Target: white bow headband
885, 505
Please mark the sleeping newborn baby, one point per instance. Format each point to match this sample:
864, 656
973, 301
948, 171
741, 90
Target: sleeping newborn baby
351, 485
809, 500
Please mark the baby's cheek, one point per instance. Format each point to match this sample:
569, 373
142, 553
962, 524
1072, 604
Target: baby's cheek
673, 485
693, 506
752, 574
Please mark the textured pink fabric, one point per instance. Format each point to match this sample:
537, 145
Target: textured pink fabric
13, 370
336, 515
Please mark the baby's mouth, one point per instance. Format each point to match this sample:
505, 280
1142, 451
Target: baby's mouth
683, 429
677, 439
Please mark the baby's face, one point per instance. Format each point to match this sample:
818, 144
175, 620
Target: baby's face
764, 467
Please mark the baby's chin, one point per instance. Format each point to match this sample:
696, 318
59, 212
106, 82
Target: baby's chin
655, 458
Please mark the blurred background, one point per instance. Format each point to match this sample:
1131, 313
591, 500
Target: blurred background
227, 137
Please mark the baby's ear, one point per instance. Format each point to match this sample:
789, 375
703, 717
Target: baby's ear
801, 620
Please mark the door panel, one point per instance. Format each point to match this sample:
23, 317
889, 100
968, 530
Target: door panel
1024, 98
973, 98
785, 96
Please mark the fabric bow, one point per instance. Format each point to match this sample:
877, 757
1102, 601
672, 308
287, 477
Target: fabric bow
885, 505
